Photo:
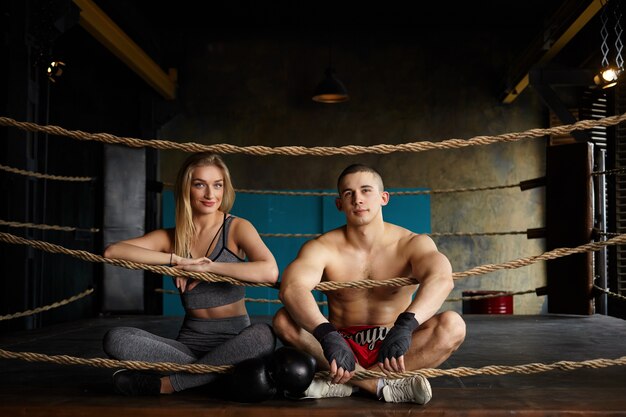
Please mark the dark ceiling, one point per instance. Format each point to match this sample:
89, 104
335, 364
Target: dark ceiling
320, 16
161, 27
532, 25
157, 25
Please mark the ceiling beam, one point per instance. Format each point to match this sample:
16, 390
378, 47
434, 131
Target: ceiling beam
540, 80
559, 44
101, 27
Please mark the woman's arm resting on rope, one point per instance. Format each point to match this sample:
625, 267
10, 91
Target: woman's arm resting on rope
154, 248
298, 282
261, 266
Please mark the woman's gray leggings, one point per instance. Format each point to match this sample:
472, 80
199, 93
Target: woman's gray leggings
204, 341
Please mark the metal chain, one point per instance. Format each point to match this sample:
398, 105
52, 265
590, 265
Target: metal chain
604, 33
619, 45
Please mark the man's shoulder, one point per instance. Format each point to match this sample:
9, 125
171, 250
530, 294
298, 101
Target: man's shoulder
407, 238
420, 244
397, 232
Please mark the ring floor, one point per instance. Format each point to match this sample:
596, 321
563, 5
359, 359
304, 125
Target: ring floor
42, 389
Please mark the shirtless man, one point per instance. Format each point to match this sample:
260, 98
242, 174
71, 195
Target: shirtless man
382, 328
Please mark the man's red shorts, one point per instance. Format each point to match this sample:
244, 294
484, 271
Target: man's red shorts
365, 342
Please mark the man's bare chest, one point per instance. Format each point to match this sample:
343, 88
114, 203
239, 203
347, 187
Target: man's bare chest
360, 267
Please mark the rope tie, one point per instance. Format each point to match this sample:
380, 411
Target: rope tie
616, 171
609, 293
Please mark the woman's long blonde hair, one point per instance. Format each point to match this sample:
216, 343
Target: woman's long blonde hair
185, 229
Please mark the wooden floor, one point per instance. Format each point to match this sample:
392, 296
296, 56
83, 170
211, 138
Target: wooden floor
38, 389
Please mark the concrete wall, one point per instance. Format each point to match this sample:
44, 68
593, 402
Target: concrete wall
258, 92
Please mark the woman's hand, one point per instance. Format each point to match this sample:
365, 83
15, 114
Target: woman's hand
195, 265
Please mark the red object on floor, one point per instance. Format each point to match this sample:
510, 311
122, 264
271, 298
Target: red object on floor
493, 305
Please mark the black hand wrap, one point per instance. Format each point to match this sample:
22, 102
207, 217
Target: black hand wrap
398, 339
334, 346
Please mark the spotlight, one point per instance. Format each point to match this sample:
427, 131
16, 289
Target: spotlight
55, 70
607, 77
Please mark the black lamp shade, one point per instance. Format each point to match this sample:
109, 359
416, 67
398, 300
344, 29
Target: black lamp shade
330, 90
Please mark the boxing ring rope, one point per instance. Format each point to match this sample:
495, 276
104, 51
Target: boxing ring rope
275, 301
44, 176
323, 303
48, 227
280, 235
322, 286
526, 369
66, 301
258, 150
48, 307
252, 300
440, 234
399, 193
523, 185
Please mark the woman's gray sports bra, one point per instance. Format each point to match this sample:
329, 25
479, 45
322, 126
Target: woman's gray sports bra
215, 294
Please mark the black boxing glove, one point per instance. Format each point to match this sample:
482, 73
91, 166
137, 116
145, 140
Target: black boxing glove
334, 346
292, 370
398, 338
249, 381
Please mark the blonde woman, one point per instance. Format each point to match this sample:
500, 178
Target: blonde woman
216, 329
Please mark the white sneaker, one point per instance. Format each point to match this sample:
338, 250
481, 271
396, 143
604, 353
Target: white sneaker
414, 389
323, 388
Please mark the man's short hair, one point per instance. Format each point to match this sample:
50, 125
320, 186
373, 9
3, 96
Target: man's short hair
351, 169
